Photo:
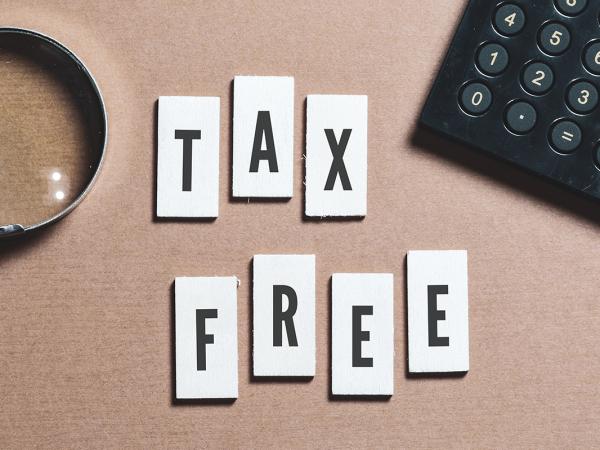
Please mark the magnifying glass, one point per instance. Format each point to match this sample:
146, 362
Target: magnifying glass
53, 131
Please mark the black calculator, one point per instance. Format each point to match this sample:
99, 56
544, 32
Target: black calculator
521, 81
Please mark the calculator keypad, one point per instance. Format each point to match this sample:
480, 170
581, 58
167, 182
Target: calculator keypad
526, 77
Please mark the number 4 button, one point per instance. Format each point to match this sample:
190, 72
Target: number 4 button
509, 19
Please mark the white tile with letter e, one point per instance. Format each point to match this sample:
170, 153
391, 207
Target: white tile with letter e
438, 311
206, 353
263, 136
284, 315
362, 344
336, 155
188, 157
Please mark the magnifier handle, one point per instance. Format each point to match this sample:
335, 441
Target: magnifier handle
11, 230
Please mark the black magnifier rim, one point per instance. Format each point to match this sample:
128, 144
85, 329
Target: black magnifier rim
7, 230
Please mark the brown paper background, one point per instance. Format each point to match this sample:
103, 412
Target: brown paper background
85, 306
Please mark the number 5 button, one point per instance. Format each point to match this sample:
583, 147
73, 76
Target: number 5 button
554, 38
537, 78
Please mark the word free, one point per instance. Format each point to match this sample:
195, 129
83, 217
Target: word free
263, 150
284, 338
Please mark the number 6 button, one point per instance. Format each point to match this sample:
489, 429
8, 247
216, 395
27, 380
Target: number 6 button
591, 57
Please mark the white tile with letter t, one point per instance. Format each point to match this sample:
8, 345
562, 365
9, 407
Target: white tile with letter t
188, 157
362, 344
263, 136
438, 311
284, 315
336, 155
206, 353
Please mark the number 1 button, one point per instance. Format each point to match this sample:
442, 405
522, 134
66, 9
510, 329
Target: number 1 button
492, 59
509, 19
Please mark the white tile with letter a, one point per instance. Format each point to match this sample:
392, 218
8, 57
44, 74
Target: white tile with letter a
336, 155
438, 311
362, 323
206, 353
284, 315
188, 157
263, 136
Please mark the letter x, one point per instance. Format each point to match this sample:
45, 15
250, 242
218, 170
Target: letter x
337, 165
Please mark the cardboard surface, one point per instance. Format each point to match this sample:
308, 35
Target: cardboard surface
86, 306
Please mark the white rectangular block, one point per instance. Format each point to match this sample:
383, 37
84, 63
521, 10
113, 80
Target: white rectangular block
362, 322
263, 136
188, 157
336, 155
206, 354
284, 315
438, 311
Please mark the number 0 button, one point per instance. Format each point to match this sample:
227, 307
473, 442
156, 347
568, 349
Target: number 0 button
509, 19
538, 78
476, 98
554, 38
582, 97
520, 117
591, 57
492, 59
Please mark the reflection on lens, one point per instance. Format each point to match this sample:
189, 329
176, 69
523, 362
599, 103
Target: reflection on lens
51, 130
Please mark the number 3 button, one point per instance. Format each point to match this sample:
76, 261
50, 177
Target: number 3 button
582, 97
476, 98
537, 78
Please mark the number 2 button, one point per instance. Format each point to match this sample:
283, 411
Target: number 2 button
537, 78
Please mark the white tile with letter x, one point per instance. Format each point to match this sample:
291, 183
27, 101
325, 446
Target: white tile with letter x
362, 344
188, 157
206, 353
336, 155
284, 315
438, 311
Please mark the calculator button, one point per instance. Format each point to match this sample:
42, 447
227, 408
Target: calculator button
591, 57
520, 117
509, 19
597, 155
582, 97
492, 59
554, 38
570, 7
537, 78
476, 98
565, 136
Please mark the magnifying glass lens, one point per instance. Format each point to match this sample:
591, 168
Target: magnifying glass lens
51, 130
